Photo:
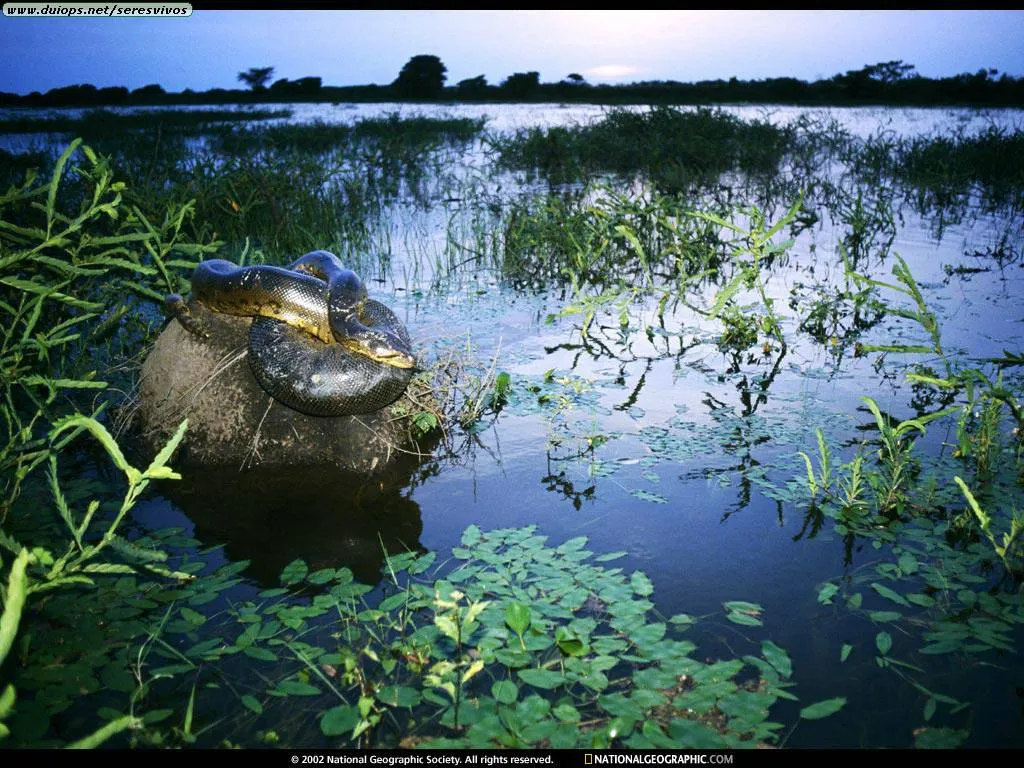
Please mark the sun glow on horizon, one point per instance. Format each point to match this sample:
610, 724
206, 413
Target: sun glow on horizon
611, 72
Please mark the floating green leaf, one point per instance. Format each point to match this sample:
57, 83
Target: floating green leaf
505, 691
939, 738
929, 708
778, 658
889, 594
567, 713
393, 601
252, 704
294, 572
339, 721
570, 643
399, 696
883, 616
262, 654
297, 688
191, 616
641, 584
643, 495
517, 616
883, 641
908, 563
746, 614
822, 708
826, 592
541, 678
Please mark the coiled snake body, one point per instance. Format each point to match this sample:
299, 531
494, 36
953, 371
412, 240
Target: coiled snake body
317, 343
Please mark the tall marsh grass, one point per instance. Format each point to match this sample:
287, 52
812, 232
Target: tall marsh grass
676, 148
276, 191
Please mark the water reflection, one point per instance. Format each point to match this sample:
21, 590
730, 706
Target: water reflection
327, 518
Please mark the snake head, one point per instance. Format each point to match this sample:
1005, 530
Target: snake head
380, 346
176, 307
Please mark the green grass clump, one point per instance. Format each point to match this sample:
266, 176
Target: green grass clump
390, 136
945, 173
277, 191
947, 167
672, 146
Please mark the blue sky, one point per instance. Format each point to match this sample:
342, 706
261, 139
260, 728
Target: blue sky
210, 48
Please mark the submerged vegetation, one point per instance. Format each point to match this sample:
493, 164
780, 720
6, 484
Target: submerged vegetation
662, 239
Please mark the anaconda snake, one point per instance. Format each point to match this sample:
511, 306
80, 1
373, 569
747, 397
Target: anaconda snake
317, 342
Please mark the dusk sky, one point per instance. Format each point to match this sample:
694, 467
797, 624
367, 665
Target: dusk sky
210, 48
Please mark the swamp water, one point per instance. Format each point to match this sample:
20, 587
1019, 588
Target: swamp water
660, 441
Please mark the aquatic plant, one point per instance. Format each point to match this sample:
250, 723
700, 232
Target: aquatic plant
946, 168
72, 255
676, 148
66, 282
392, 136
520, 644
95, 552
919, 312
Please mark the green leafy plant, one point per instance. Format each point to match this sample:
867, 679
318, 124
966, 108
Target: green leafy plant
752, 252
58, 271
67, 245
919, 312
38, 571
822, 480
1008, 547
520, 644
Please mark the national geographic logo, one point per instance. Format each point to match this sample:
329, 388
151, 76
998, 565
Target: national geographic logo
657, 758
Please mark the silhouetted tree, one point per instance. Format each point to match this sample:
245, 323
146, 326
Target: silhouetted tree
116, 94
151, 91
304, 86
84, 93
521, 85
256, 77
888, 82
873, 80
472, 88
889, 71
422, 77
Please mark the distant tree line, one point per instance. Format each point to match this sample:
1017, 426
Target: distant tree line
423, 78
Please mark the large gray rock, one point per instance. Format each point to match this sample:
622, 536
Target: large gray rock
233, 422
